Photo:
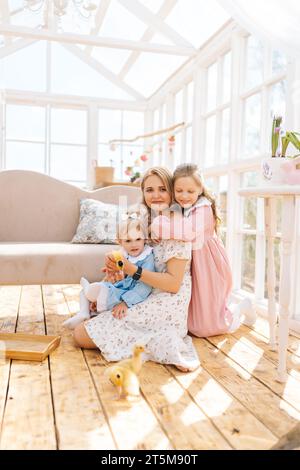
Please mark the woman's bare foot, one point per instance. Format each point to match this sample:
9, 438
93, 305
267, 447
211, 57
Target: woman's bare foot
186, 369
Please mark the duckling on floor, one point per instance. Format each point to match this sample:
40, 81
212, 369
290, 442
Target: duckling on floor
125, 380
135, 362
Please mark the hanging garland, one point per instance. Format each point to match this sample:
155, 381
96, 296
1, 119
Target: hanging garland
133, 171
112, 143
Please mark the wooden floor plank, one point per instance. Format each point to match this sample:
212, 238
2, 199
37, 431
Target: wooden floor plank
240, 427
260, 344
9, 304
277, 415
80, 421
29, 405
133, 425
254, 362
184, 423
232, 401
262, 327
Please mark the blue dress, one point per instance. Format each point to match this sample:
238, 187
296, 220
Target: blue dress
128, 290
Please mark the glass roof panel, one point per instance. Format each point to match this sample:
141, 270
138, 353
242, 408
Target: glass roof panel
194, 20
151, 70
201, 19
69, 75
25, 69
160, 39
15, 4
112, 59
152, 5
27, 18
120, 23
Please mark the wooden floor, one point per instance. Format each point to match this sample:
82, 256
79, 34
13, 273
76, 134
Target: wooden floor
66, 402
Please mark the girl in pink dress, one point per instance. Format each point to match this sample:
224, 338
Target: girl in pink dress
195, 219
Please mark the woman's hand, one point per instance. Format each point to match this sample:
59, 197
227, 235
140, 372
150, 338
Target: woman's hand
120, 311
111, 265
110, 262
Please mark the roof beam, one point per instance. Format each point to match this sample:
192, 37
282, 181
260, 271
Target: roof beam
71, 38
147, 36
156, 23
15, 46
99, 18
5, 16
4, 11
103, 71
40, 98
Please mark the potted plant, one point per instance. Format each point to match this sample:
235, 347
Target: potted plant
291, 138
291, 167
271, 167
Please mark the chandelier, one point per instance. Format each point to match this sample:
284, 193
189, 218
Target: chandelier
59, 8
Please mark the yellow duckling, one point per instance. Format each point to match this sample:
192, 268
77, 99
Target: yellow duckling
118, 258
135, 362
125, 380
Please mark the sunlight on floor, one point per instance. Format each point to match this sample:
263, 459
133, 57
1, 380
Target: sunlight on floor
289, 410
244, 374
291, 391
252, 360
172, 391
216, 399
138, 424
191, 415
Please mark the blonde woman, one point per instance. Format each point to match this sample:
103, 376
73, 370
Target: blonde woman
160, 322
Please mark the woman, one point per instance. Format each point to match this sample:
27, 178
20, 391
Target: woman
160, 322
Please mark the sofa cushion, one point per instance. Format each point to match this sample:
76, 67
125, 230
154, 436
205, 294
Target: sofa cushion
97, 222
51, 263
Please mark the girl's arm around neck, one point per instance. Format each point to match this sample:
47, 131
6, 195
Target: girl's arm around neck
176, 227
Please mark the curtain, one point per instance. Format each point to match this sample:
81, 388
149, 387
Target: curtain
275, 21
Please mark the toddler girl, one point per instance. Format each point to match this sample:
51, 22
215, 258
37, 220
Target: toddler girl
127, 292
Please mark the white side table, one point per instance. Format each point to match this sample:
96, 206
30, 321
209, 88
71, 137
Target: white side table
288, 194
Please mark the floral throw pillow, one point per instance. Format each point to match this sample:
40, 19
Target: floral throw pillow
97, 222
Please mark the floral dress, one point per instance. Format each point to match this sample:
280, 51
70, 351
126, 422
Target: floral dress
160, 322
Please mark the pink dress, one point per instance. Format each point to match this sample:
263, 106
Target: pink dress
208, 313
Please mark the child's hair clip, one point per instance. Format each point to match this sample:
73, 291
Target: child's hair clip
132, 216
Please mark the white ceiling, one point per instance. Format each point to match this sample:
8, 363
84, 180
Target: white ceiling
159, 36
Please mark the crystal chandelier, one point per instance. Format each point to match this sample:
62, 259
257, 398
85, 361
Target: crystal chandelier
84, 8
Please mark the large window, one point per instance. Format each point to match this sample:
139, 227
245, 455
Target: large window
217, 115
25, 133
115, 125
68, 145
176, 111
48, 140
263, 95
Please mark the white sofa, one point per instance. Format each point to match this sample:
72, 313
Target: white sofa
38, 218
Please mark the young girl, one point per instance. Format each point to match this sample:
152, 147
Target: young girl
197, 220
127, 292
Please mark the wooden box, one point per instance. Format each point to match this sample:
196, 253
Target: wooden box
27, 347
